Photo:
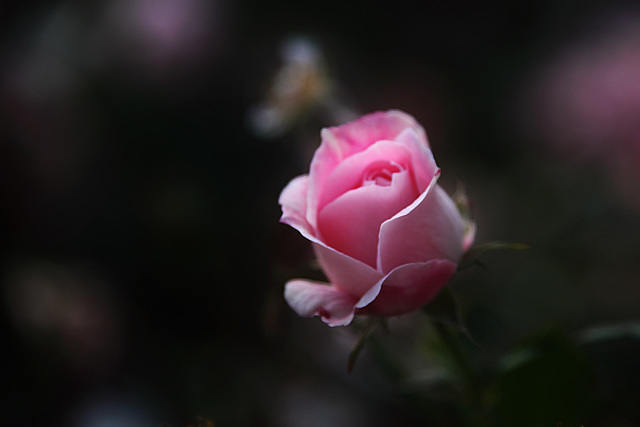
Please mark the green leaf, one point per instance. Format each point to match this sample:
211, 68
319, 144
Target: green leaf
600, 334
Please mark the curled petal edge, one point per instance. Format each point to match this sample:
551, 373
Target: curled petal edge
308, 298
401, 291
336, 308
349, 274
293, 200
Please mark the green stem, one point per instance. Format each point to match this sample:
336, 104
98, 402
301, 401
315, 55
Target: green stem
370, 327
462, 365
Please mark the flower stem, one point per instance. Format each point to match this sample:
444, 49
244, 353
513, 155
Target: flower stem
368, 330
462, 367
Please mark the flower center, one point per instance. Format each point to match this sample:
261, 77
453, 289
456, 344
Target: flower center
380, 173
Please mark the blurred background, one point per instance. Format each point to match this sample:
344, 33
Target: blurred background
143, 146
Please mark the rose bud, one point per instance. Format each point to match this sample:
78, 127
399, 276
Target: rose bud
386, 235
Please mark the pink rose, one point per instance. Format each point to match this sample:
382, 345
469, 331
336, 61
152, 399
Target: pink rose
386, 235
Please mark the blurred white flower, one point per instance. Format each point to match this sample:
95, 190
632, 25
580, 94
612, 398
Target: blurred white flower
302, 83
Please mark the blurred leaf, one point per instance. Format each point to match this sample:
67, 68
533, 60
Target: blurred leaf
600, 334
546, 382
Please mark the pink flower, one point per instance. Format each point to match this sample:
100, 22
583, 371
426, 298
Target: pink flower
386, 235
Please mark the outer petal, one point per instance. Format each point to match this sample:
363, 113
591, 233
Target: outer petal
351, 223
309, 298
343, 141
346, 273
378, 126
293, 200
430, 228
409, 287
349, 173
422, 162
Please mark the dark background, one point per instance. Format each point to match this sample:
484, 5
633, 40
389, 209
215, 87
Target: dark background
143, 262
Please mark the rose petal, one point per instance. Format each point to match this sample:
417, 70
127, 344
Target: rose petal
293, 200
349, 275
422, 162
378, 126
309, 299
430, 228
348, 175
346, 273
351, 223
343, 141
409, 287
